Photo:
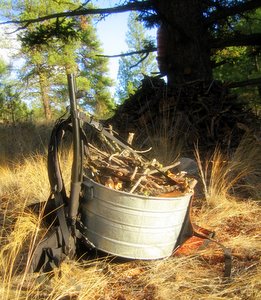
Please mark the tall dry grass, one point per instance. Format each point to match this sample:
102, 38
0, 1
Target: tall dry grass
20, 140
236, 221
167, 138
237, 174
21, 185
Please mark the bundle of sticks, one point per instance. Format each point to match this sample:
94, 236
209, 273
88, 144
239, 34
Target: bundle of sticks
126, 169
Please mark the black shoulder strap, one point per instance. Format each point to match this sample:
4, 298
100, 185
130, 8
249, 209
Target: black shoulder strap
54, 170
56, 181
59, 242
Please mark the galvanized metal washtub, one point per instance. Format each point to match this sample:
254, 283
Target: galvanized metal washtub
130, 225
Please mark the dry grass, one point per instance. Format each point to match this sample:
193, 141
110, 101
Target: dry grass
26, 182
21, 140
21, 230
239, 174
237, 224
166, 137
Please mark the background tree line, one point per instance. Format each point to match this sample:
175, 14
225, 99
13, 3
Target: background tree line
48, 58
205, 40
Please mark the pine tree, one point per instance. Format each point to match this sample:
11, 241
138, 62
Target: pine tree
55, 47
132, 68
242, 63
43, 52
12, 108
95, 68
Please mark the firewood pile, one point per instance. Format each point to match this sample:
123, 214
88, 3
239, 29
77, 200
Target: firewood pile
203, 113
128, 170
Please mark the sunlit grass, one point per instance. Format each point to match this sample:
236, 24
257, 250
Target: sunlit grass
21, 230
15, 255
84, 281
70, 280
236, 221
26, 181
189, 278
222, 175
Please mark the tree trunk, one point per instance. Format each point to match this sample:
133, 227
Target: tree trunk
187, 49
44, 87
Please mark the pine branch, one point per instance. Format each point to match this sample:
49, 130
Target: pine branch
232, 10
133, 6
255, 81
253, 39
143, 51
140, 61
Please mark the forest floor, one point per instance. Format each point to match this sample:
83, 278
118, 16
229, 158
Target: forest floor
226, 201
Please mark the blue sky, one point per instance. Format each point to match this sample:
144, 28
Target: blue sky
112, 34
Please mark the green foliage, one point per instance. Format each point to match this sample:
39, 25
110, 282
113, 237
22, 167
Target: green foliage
237, 64
95, 68
54, 48
3, 68
46, 34
242, 63
132, 68
12, 109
